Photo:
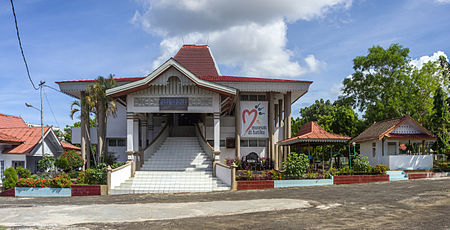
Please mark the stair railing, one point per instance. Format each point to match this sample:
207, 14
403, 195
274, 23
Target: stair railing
209, 150
117, 176
154, 145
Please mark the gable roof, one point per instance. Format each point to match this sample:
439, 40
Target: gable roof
145, 82
8, 121
198, 59
68, 146
29, 137
383, 128
311, 132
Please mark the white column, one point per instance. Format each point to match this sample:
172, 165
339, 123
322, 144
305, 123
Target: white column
237, 117
144, 133
136, 134
130, 131
216, 132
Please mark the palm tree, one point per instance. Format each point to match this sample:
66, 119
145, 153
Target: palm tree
103, 106
85, 131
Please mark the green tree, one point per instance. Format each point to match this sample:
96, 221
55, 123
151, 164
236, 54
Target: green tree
440, 122
103, 105
10, 178
296, 164
385, 85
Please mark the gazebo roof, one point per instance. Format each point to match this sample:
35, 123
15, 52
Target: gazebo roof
312, 134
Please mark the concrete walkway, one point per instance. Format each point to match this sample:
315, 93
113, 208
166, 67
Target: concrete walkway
62, 215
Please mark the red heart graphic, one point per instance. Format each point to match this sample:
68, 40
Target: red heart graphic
249, 113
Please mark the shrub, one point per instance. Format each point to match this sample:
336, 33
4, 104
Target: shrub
23, 172
296, 164
31, 182
275, 175
9, 178
74, 174
379, 169
61, 181
361, 164
442, 166
46, 162
62, 163
73, 158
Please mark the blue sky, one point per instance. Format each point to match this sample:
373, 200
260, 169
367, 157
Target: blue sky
307, 40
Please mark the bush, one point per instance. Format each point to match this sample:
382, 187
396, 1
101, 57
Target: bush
61, 181
31, 182
296, 164
9, 178
62, 163
442, 166
46, 162
360, 164
74, 174
23, 172
379, 169
74, 159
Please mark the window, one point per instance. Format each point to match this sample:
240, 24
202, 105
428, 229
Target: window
222, 143
112, 142
253, 97
16, 164
374, 149
244, 143
253, 143
262, 143
2, 168
117, 142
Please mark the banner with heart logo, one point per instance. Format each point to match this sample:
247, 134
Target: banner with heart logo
254, 122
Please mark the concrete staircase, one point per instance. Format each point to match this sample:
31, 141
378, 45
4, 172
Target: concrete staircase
179, 165
397, 175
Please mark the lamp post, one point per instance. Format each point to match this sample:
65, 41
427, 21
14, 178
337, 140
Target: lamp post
41, 85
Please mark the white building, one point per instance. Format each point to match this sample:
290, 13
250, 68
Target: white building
188, 97
399, 143
20, 145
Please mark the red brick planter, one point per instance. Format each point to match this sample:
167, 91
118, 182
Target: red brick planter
86, 190
413, 176
359, 179
256, 184
9, 192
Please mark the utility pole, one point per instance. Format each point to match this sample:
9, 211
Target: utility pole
41, 85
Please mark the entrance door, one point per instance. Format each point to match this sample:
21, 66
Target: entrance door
183, 124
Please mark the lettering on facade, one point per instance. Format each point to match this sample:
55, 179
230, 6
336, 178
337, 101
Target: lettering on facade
200, 101
254, 121
173, 103
146, 101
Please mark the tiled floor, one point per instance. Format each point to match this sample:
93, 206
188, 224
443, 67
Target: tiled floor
180, 165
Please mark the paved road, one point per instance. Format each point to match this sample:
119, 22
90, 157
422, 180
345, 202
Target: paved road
415, 204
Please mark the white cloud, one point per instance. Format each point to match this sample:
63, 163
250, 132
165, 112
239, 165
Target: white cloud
336, 89
442, 1
250, 35
424, 59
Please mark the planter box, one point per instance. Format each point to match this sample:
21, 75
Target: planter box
255, 184
424, 175
302, 183
86, 190
42, 192
9, 192
359, 179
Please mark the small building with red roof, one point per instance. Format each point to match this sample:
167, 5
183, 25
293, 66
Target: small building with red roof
399, 143
311, 134
20, 145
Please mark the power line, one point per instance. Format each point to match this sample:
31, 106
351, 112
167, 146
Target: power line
20, 45
51, 110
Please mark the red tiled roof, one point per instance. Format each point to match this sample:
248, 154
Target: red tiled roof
7, 138
68, 146
247, 79
30, 136
311, 131
197, 59
383, 128
8, 121
119, 79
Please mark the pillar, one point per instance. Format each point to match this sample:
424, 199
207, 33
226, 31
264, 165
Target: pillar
287, 119
135, 133
281, 151
237, 118
271, 128
217, 132
144, 133
83, 129
130, 131
150, 127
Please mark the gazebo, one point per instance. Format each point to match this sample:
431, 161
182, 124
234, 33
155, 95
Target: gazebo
312, 135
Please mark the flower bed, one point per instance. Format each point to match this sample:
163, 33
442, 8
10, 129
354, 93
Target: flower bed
352, 179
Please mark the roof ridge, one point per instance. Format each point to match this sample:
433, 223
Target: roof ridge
7, 115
